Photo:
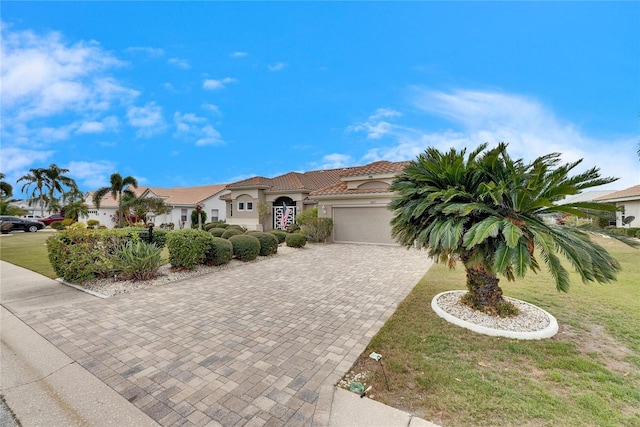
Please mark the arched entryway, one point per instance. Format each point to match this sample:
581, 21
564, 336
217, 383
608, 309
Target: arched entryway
284, 212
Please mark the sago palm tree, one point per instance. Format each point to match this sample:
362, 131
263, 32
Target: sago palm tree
486, 210
118, 187
38, 178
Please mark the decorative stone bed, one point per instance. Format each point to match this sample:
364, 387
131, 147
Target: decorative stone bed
533, 323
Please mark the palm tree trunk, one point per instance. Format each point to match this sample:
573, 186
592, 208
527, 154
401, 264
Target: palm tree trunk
484, 292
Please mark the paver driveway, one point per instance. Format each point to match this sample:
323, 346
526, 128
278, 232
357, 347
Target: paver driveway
260, 344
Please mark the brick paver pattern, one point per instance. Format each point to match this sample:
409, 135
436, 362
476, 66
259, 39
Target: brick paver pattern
260, 344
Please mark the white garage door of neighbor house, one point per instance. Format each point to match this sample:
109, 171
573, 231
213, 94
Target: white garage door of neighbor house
362, 225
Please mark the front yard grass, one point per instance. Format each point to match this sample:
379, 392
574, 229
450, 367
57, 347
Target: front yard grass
28, 250
587, 375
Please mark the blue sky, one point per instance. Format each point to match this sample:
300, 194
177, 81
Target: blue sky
194, 93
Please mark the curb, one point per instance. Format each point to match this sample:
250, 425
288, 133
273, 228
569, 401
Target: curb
547, 332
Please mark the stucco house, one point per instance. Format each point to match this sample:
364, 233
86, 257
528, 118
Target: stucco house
356, 198
629, 202
181, 200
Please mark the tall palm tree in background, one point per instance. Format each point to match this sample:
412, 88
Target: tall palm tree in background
6, 189
486, 210
6, 192
38, 178
57, 181
118, 187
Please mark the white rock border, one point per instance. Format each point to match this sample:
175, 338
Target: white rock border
547, 332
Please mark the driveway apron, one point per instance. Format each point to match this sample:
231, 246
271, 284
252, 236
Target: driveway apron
259, 344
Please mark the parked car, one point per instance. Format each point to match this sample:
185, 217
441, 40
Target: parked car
22, 224
51, 218
32, 217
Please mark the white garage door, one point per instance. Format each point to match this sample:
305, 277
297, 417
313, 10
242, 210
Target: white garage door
362, 225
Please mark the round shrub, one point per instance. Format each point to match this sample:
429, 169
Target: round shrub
268, 243
231, 232
220, 251
280, 235
57, 225
188, 247
245, 247
236, 227
295, 240
216, 232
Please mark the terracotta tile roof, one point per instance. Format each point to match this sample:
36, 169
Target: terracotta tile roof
314, 181
171, 196
341, 189
256, 181
377, 168
631, 192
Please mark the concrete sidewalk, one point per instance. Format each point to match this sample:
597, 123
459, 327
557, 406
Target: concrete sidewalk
45, 386
40, 384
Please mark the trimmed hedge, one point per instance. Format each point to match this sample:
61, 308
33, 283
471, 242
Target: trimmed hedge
231, 232
280, 235
220, 251
216, 232
268, 243
216, 224
295, 240
188, 247
245, 247
78, 255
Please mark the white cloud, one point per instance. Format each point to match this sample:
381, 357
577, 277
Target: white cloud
108, 124
375, 127
180, 63
91, 175
212, 84
530, 128
147, 119
277, 66
16, 161
45, 75
193, 127
151, 51
212, 108
239, 54
211, 137
336, 160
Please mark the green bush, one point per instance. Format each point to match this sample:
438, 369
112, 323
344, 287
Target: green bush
167, 226
236, 227
215, 224
188, 247
293, 227
220, 251
268, 243
78, 255
306, 215
57, 225
93, 223
317, 229
138, 260
280, 235
194, 218
216, 232
231, 232
245, 247
295, 240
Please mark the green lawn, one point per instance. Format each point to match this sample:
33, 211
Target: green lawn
27, 250
587, 375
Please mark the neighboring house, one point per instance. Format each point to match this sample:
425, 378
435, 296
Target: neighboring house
356, 198
587, 196
629, 202
181, 200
